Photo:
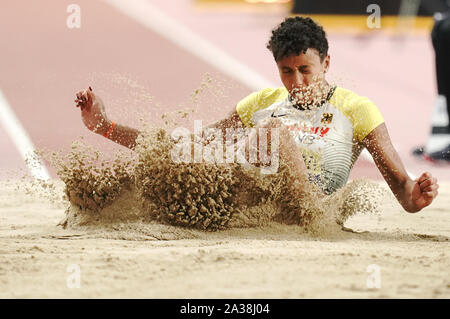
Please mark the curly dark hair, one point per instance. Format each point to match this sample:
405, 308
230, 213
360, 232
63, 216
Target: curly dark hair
296, 35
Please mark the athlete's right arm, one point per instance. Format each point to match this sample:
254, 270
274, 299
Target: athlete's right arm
94, 118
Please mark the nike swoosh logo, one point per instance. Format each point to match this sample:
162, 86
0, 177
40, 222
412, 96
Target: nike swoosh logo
273, 115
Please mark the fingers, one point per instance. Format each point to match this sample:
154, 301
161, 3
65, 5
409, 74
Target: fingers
430, 195
428, 182
79, 102
424, 176
430, 188
83, 97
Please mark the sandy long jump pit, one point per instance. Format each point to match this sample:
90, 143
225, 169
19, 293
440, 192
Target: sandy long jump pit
147, 227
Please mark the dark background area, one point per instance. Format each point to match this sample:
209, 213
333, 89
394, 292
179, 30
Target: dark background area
388, 7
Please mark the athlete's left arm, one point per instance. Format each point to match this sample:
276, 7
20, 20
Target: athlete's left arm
413, 195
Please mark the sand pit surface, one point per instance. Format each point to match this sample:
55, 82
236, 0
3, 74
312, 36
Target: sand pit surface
152, 260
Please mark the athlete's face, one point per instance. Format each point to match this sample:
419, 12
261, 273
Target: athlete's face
303, 75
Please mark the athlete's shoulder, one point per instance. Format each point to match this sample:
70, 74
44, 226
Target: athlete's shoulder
259, 100
360, 110
345, 98
273, 94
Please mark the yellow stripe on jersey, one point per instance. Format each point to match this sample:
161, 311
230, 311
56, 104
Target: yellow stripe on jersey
362, 113
258, 101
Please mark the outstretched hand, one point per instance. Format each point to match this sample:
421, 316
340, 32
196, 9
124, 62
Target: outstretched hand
92, 111
425, 190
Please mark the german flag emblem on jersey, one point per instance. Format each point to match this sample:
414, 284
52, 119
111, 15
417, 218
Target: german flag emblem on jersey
327, 118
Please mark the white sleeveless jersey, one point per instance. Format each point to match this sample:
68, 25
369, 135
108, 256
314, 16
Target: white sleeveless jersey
329, 136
